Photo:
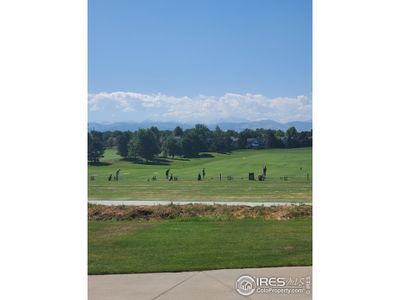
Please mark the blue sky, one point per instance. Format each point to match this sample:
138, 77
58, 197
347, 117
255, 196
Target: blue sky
175, 52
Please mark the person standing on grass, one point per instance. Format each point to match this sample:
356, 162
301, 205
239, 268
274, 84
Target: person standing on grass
167, 173
117, 174
265, 170
204, 173
199, 177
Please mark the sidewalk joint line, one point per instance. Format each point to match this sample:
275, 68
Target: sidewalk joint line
174, 286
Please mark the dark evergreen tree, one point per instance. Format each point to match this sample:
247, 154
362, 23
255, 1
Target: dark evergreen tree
221, 142
95, 146
122, 143
178, 131
191, 143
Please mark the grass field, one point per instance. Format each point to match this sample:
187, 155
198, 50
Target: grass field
134, 184
197, 244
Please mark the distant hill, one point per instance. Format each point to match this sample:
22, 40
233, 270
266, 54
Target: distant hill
266, 124
238, 126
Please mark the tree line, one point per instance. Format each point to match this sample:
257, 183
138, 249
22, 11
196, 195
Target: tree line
146, 144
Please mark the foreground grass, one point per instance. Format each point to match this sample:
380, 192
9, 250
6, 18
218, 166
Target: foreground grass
185, 244
134, 184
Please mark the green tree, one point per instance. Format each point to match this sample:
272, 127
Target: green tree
172, 147
279, 133
178, 131
291, 132
271, 141
107, 139
191, 143
95, 146
221, 141
204, 136
111, 142
157, 135
144, 145
122, 143
292, 135
243, 136
156, 132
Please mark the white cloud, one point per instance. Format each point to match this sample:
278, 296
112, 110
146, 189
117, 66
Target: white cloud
136, 107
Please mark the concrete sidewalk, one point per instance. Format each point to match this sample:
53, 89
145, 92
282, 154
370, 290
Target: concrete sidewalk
153, 203
215, 284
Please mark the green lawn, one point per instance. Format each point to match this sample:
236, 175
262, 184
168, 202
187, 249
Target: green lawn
134, 184
197, 244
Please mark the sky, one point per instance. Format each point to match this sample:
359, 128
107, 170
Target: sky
199, 60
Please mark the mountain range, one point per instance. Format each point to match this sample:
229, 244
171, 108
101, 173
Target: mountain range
237, 126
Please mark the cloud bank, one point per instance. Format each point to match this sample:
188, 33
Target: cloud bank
136, 107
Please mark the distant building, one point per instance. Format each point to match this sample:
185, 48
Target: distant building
234, 142
283, 139
255, 143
